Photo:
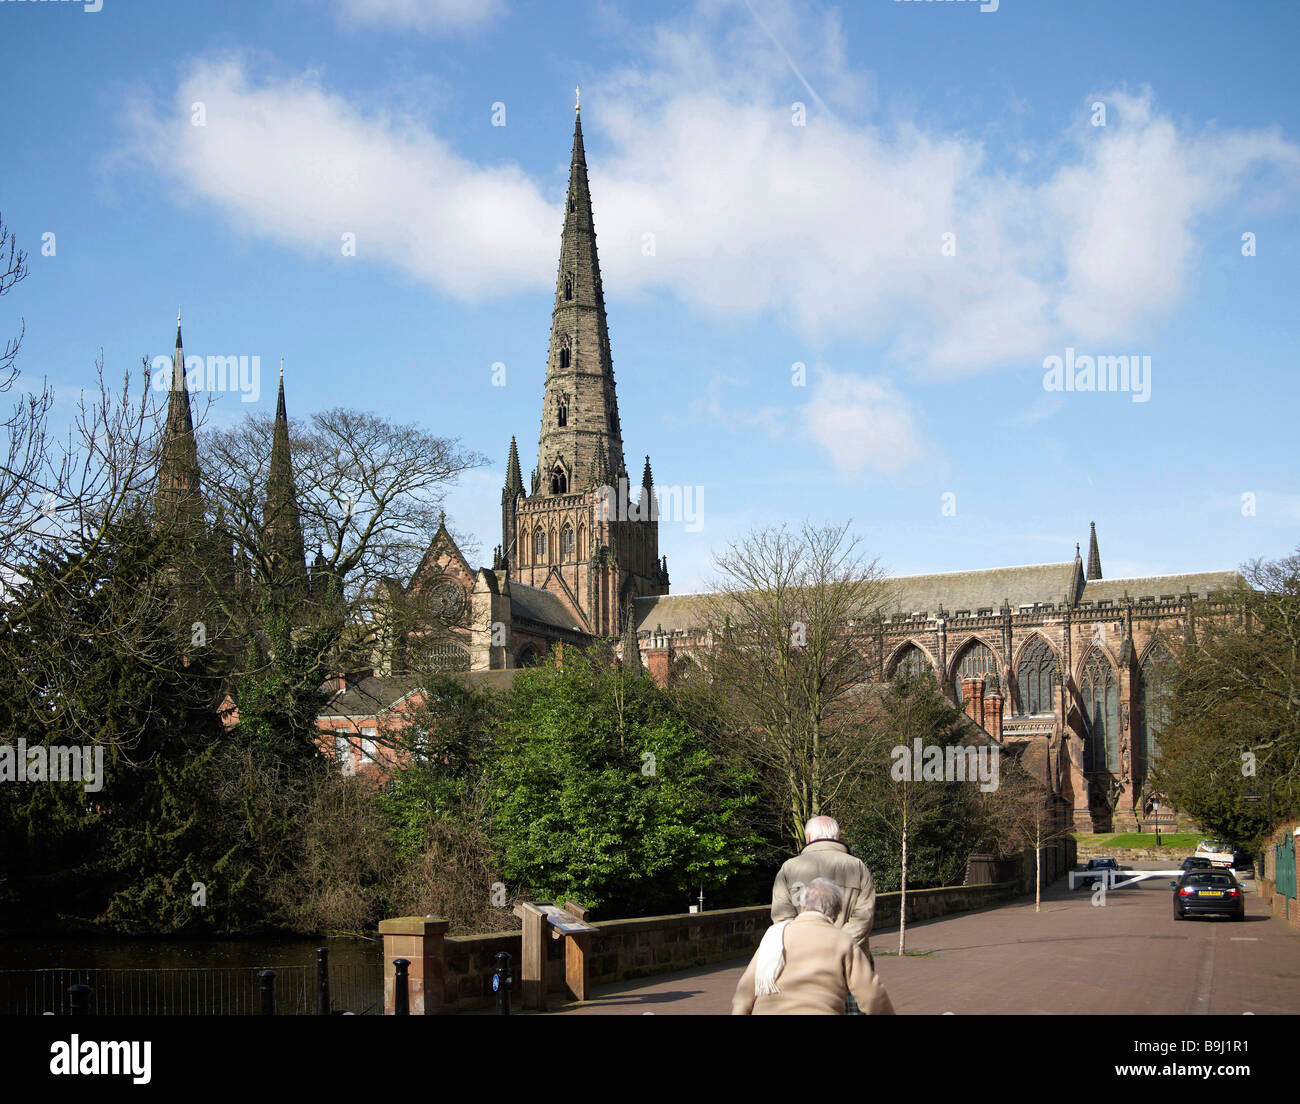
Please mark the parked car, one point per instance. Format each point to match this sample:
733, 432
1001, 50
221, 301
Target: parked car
1097, 865
1208, 893
1217, 851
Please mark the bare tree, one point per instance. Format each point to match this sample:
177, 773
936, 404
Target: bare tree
788, 625
1025, 812
893, 795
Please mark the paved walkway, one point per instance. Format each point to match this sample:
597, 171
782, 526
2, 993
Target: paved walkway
1129, 956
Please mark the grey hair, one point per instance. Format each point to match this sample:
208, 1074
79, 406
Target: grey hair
821, 827
821, 895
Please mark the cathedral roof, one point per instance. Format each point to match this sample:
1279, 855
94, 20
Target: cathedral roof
1201, 583
967, 591
1036, 584
542, 606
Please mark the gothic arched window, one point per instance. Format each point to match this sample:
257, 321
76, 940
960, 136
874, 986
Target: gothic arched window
559, 481
1153, 706
539, 545
582, 542
911, 663
562, 413
1101, 714
564, 356
976, 659
1036, 678
568, 287
566, 543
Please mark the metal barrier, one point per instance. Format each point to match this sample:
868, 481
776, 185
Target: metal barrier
195, 991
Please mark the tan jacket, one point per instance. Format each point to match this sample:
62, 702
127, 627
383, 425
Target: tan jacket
822, 966
831, 860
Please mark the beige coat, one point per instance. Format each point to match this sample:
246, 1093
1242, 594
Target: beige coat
822, 966
831, 860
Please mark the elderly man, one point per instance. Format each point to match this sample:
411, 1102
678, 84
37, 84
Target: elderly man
825, 856
810, 966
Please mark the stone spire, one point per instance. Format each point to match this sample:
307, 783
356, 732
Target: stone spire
281, 525
1094, 556
580, 404
178, 462
1076, 580
631, 646
509, 502
647, 476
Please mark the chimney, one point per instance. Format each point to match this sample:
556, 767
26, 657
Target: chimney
658, 657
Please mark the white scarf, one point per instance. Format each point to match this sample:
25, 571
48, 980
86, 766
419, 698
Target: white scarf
770, 960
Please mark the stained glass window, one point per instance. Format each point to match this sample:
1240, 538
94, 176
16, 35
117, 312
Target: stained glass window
1101, 714
976, 659
1153, 706
911, 662
1036, 678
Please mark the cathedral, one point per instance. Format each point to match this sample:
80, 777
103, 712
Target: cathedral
1055, 662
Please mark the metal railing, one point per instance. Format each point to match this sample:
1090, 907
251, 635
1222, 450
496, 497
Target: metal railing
355, 988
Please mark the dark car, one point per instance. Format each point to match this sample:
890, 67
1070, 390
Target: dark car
1097, 865
1208, 893
1197, 862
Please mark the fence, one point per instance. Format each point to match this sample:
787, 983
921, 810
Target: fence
195, 991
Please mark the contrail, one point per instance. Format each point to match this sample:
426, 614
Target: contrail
789, 60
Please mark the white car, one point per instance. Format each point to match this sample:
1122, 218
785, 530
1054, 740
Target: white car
1218, 852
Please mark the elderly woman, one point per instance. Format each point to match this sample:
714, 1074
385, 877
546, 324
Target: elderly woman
807, 965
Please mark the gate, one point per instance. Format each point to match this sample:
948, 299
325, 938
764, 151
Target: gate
1284, 870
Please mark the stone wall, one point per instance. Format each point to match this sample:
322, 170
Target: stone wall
646, 945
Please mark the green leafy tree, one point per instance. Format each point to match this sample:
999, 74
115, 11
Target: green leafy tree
602, 793
1232, 732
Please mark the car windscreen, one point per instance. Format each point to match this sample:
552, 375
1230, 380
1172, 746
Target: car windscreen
1211, 881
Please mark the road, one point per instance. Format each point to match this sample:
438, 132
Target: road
1126, 956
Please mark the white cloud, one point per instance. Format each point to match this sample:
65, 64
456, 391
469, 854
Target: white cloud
861, 422
421, 15
290, 161
836, 226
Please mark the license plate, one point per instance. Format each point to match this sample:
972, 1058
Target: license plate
1210, 893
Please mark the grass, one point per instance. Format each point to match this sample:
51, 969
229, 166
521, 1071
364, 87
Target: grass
1139, 839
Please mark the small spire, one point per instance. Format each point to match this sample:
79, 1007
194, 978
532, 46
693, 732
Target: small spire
647, 477
1094, 555
577, 98
282, 368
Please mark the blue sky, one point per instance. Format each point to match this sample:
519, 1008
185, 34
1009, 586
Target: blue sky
774, 244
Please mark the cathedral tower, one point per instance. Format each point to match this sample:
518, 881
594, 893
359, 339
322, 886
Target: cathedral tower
577, 530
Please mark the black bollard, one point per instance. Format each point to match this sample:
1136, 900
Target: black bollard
266, 981
501, 983
401, 999
79, 999
322, 981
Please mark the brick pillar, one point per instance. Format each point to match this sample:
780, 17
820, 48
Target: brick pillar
558, 651
993, 716
969, 690
418, 939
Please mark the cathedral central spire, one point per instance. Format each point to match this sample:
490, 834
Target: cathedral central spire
580, 406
